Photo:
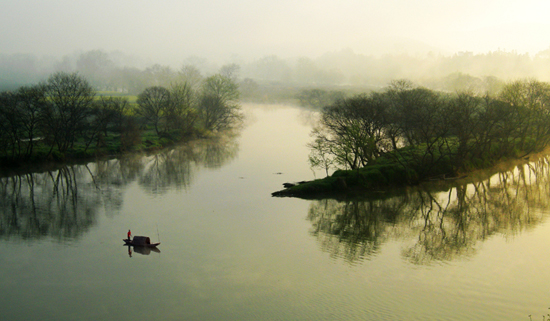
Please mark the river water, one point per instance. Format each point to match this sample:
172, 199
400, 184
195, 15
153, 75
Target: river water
230, 251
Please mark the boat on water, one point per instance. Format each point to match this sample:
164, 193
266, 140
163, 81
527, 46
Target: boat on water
140, 241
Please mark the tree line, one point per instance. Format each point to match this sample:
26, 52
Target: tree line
65, 115
432, 132
116, 71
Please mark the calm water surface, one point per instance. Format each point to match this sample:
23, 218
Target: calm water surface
230, 251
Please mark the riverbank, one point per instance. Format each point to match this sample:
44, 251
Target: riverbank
381, 179
44, 160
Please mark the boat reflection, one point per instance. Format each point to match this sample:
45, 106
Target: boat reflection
141, 250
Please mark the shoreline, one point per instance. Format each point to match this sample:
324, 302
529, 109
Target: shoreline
364, 186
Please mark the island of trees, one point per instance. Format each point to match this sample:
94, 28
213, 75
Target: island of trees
407, 134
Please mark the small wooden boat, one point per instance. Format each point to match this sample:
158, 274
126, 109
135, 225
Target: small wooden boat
140, 241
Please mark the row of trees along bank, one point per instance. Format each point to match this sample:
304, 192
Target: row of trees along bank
64, 117
406, 134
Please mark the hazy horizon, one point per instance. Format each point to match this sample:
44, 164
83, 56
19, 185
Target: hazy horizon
168, 31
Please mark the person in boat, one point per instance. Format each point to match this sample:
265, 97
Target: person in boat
129, 235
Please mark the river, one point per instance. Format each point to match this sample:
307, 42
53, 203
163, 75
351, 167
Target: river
230, 251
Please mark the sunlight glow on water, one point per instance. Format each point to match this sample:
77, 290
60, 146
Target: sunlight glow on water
229, 251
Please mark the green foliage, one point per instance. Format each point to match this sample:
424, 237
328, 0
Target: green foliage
81, 153
61, 119
434, 133
407, 134
370, 178
163, 141
58, 156
319, 98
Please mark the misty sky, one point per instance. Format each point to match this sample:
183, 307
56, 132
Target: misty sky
168, 31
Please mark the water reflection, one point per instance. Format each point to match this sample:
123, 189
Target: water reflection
63, 203
175, 168
59, 203
141, 250
437, 222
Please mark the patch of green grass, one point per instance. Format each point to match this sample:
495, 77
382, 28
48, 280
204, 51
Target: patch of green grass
370, 178
105, 93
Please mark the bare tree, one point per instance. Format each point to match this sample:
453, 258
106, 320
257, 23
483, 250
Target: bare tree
181, 113
107, 112
97, 67
230, 71
69, 98
218, 103
152, 105
30, 103
353, 130
10, 125
321, 155
191, 75
530, 103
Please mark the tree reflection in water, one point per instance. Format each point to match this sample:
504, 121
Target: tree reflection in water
175, 168
64, 203
440, 222
60, 203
